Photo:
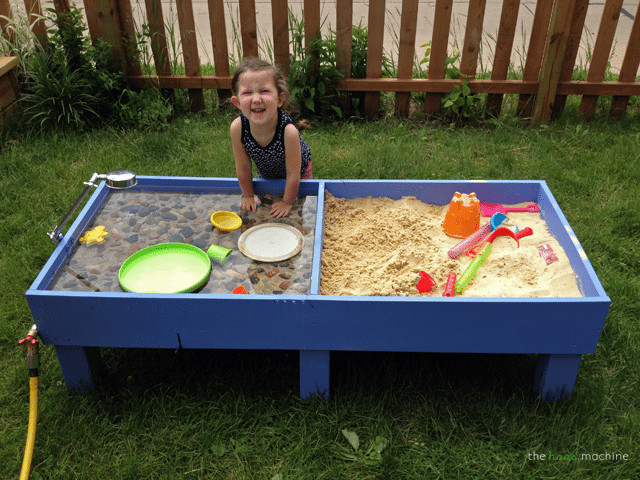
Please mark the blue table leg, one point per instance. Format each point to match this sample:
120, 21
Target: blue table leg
314, 373
77, 364
556, 376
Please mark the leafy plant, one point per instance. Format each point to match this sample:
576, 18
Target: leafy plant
19, 40
70, 83
144, 110
460, 105
371, 456
313, 75
450, 68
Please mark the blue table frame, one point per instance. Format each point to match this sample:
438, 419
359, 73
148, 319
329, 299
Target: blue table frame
559, 330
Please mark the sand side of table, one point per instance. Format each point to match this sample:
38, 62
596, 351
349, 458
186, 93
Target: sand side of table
378, 246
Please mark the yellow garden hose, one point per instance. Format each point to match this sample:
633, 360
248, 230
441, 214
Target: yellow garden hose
31, 431
33, 362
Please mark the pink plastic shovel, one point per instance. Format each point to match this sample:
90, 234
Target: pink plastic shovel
489, 209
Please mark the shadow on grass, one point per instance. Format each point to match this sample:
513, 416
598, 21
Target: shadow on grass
276, 372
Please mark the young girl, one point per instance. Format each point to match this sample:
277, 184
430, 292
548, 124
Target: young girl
265, 134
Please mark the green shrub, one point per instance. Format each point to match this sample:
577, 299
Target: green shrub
70, 84
313, 75
144, 110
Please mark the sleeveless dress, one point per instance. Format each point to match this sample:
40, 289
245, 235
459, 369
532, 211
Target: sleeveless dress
270, 160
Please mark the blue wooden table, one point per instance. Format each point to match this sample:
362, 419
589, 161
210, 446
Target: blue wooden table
559, 330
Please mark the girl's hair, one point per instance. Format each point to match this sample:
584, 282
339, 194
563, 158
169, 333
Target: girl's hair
252, 64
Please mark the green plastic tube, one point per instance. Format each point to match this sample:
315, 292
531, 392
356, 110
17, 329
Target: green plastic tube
471, 270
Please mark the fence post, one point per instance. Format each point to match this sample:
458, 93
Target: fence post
555, 48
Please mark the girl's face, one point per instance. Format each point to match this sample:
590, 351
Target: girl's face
258, 97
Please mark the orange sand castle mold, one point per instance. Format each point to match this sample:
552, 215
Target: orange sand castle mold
463, 215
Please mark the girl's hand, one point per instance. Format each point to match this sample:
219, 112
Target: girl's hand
248, 204
280, 209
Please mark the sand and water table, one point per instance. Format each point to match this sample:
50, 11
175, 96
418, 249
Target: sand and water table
79, 306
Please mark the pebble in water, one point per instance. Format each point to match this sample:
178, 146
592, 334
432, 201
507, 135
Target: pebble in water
138, 219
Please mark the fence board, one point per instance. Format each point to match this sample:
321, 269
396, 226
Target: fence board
504, 45
61, 6
472, 38
190, 50
128, 28
439, 45
406, 52
344, 29
92, 20
604, 41
486, 86
248, 28
312, 27
547, 73
34, 11
552, 61
571, 52
180, 81
159, 49
515, 87
280, 22
311, 19
344, 33
219, 44
5, 11
629, 67
108, 24
374, 54
539, 28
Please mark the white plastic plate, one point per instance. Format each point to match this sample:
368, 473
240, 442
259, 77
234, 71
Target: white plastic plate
271, 242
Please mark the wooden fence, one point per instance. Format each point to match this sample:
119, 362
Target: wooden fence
550, 59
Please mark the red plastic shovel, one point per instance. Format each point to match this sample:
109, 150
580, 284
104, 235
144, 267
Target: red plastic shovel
489, 209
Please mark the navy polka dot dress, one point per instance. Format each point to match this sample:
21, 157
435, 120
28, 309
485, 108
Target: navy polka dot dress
270, 160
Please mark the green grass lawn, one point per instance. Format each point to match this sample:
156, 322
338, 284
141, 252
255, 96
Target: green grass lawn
236, 415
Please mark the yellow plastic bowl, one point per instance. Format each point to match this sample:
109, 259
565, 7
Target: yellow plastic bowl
226, 221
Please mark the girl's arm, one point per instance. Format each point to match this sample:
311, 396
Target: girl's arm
243, 167
293, 158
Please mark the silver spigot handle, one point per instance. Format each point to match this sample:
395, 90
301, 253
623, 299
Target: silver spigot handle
56, 235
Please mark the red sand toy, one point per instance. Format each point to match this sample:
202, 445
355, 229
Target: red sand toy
426, 283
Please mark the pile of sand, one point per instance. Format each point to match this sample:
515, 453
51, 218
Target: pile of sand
378, 246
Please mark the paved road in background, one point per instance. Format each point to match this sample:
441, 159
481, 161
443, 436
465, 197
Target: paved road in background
425, 25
